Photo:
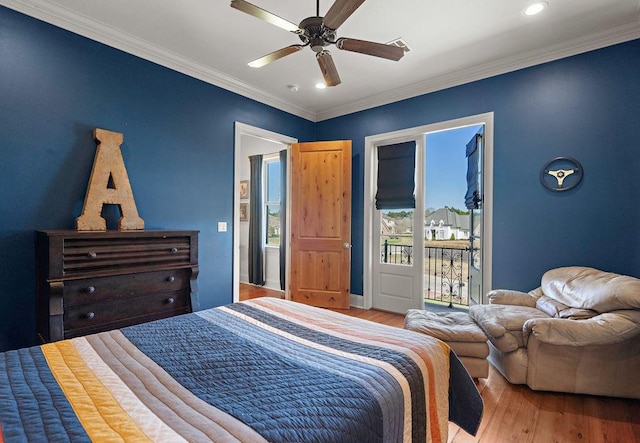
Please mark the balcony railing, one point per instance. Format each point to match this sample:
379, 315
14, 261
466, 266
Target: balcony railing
446, 271
446, 276
397, 254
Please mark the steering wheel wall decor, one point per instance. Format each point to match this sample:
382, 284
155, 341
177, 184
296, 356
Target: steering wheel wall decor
561, 174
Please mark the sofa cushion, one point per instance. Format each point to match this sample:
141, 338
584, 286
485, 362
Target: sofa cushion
556, 309
550, 306
577, 314
503, 323
588, 288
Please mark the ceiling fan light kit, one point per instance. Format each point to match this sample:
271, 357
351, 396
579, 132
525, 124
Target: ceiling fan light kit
319, 32
535, 8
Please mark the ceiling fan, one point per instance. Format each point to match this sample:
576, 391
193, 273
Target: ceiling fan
318, 33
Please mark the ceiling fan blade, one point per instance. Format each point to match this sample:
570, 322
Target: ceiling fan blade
328, 68
339, 12
389, 52
267, 16
276, 55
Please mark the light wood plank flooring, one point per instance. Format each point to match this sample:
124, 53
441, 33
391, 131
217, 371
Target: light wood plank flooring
515, 413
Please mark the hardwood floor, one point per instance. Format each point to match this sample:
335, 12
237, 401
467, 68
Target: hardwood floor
248, 292
515, 413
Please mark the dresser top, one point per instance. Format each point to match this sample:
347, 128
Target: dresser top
116, 233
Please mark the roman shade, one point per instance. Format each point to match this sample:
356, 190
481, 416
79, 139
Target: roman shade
472, 197
396, 176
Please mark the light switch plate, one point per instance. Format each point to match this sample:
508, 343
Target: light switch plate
222, 226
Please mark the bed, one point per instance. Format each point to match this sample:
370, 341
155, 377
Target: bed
260, 370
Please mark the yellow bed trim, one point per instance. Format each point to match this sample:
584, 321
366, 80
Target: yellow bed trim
100, 414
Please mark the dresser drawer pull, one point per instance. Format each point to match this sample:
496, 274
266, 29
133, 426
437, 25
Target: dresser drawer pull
171, 279
92, 255
170, 300
90, 290
89, 315
173, 250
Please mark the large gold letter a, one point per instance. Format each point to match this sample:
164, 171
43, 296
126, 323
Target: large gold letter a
108, 163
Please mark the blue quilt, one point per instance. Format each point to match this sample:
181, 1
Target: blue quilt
264, 370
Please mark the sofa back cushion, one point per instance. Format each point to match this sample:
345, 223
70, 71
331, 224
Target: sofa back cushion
588, 288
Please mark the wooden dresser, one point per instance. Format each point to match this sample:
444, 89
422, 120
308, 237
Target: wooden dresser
90, 282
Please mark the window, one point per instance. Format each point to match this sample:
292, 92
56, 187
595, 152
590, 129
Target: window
396, 236
272, 199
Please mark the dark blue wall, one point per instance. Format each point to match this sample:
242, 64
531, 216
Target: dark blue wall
586, 107
55, 88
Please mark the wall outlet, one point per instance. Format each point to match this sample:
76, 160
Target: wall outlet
222, 226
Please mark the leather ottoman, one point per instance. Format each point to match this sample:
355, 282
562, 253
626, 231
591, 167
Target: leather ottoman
459, 331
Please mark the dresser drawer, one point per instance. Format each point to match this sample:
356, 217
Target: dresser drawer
83, 255
99, 289
118, 313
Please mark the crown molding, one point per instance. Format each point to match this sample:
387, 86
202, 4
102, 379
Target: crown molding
620, 34
85, 26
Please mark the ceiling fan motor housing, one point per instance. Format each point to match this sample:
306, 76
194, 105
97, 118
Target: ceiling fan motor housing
315, 34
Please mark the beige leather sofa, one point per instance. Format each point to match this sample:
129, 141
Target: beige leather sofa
578, 332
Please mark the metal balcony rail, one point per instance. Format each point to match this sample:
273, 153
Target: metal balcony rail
396, 254
447, 275
446, 271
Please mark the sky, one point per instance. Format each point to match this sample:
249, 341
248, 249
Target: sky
273, 184
446, 167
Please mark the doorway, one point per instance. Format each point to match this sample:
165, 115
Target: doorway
395, 259
453, 217
314, 235
250, 140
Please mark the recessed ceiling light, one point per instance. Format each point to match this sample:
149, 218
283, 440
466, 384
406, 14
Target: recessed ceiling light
293, 88
535, 8
321, 85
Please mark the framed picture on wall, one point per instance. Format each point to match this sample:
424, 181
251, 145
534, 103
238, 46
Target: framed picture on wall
244, 211
244, 188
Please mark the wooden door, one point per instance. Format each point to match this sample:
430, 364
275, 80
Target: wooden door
321, 223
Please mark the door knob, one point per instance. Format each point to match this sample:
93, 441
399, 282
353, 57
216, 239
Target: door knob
346, 245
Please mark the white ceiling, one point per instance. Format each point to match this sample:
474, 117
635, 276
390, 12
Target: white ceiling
452, 42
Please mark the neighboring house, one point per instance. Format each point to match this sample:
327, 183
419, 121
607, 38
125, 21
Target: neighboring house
387, 225
395, 226
445, 224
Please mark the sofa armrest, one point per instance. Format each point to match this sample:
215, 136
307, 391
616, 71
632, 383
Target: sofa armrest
604, 329
511, 297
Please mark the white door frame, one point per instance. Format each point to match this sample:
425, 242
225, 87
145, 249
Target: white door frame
371, 142
242, 129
